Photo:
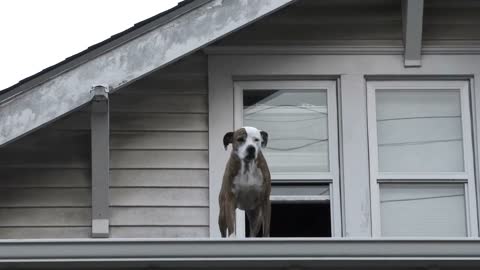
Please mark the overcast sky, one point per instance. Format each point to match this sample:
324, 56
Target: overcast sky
36, 34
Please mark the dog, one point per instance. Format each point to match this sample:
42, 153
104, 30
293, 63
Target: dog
246, 182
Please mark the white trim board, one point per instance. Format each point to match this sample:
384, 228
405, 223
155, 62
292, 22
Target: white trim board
342, 49
247, 253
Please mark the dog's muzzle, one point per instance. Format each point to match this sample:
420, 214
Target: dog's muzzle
250, 153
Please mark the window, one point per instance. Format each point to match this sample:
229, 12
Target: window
421, 160
302, 152
301, 210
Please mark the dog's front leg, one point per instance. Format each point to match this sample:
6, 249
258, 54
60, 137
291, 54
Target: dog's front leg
267, 210
230, 217
222, 220
255, 219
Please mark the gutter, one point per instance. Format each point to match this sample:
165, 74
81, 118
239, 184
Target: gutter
224, 253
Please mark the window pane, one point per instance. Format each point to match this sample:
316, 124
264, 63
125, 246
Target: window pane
301, 190
419, 131
422, 210
296, 121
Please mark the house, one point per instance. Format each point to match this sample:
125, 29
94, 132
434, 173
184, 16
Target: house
114, 157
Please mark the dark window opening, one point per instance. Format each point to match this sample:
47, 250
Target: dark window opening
298, 219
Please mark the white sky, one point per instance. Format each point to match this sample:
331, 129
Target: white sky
35, 34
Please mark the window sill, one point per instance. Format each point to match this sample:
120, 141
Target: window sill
249, 252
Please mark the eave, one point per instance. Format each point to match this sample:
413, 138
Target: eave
222, 253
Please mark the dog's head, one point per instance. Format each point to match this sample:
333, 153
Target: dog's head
247, 142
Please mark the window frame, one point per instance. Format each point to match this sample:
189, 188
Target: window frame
332, 177
467, 178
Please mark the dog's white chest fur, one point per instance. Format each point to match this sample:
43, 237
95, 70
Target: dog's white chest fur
247, 186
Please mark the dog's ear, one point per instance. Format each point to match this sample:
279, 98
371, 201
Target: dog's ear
227, 139
264, 138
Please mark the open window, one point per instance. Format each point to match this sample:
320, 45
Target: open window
421, 159
300, 210
302, 153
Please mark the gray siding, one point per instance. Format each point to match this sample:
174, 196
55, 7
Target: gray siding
370, 22
159, 164
313, 22
159, 153
451, 21
45, 184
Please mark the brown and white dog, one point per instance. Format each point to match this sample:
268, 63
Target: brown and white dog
246, 182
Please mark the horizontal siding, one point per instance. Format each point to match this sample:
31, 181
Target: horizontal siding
159, 122
42, 217
159, 161
158, 232
141, 122
155, 159
345, 22
45, 197
451, 21
159, 140
127, 216
159, 153
311, 22
278, 34
158, 103
156, 216
73, 178
46, 139
170, 86
45, 184
17, 232
159, 178
158, 197
45, 178
115, 232
58, 158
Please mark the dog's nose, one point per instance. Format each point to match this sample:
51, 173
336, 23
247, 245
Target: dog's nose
250, 151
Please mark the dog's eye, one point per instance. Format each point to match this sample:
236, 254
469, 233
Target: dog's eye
241, 140
257, 139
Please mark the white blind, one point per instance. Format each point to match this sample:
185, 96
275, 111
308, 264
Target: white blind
419, 131
296, 121
423, 210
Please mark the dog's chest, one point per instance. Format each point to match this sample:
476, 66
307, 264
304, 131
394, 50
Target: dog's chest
248, 187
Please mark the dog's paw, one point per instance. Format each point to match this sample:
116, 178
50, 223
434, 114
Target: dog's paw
232, 235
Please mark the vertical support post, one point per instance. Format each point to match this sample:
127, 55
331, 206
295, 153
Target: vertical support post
412, 16
354, 156
220, 121
100, 142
